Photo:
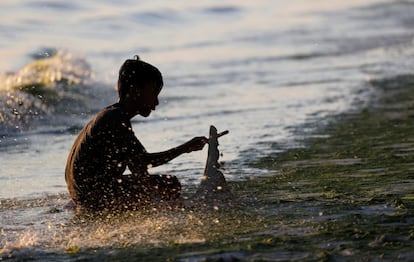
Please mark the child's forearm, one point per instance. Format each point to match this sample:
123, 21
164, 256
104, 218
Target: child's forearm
160, 158
195, 144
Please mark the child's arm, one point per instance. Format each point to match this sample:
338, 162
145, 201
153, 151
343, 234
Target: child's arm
160, 158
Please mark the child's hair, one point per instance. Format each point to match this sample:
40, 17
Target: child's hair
137, 72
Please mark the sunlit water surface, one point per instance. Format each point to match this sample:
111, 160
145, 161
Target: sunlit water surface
260, 69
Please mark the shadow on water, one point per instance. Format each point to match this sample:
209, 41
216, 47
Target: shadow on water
347, 195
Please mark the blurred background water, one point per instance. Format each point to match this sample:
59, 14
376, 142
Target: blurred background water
258, 68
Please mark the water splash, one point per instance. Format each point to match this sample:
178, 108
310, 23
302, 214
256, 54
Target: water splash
36, 228
34, 92
48, 69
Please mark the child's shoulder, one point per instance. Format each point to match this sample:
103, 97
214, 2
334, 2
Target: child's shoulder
109, 115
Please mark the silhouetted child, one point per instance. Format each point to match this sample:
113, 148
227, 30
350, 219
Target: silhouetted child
107, 145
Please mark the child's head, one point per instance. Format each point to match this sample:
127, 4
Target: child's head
135, 72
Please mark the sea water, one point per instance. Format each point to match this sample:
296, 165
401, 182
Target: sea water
261, 69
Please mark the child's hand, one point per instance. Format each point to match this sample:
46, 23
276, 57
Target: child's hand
195, 144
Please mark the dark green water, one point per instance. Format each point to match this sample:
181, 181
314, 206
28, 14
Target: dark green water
349, 194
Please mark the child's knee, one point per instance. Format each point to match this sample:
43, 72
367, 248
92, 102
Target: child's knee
168, 186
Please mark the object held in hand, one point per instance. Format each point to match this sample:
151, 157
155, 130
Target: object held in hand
222, 133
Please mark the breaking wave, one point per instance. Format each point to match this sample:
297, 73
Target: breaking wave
56, 82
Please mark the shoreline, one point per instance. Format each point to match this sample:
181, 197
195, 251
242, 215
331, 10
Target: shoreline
355, 184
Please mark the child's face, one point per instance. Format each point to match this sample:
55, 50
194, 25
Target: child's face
145, 98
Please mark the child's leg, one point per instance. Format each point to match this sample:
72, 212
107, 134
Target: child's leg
131, 195
166, 187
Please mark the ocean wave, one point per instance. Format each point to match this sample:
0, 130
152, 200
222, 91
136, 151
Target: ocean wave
37, 90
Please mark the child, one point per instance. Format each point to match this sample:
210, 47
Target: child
107, 145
